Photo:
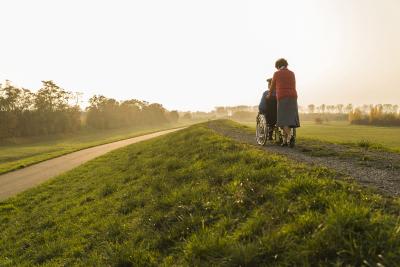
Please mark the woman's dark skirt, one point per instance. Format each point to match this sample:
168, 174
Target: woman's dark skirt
288, 114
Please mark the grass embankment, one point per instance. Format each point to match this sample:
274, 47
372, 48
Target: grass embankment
22, 152
197, 198
341, 132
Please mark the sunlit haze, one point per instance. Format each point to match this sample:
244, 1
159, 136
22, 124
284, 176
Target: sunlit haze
195, 55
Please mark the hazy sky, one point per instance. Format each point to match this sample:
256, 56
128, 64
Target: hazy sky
194, 55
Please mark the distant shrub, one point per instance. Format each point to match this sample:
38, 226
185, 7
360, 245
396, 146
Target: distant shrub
364, 144
318, 120
173, 116
187, 116
367, 144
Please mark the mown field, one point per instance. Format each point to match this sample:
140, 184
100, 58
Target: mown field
195, 198
20, 152
343, 132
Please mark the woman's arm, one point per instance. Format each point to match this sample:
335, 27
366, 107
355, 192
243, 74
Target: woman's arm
273, 86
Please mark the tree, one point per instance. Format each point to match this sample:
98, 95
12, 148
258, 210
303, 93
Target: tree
349, 108
77, 97
173, 116
23, 113
311, 108
187, 116
220, 110
155, 113
339, 108
387, 108
51, 97
9, 96
322, 108
330, 108
395, 108
54, 112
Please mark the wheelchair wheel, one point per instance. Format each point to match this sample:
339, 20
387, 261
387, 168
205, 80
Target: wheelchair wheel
261, 130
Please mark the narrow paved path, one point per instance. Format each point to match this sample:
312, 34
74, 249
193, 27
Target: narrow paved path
17, 181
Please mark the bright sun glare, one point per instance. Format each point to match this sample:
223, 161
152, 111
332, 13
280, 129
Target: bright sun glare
194, 55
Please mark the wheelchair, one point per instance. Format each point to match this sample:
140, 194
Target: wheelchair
267, 132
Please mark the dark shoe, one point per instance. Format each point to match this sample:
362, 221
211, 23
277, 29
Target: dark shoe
284, 144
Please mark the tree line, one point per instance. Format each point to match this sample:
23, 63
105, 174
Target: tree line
323, 108
379, 115
48, 111
54, 110
108, 113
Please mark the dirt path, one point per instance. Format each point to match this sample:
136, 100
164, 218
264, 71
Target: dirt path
379, 169
17, 181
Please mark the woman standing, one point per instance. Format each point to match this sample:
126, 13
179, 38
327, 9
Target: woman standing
284, 85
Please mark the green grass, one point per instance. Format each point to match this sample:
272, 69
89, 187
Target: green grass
194, 198
343, 132
22, 152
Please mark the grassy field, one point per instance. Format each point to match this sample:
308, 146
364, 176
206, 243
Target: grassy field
21, 152
194, 198
343, 132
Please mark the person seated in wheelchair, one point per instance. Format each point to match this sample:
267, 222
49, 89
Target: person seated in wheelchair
268, 107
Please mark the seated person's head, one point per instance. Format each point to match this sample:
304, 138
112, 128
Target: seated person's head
269, 81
